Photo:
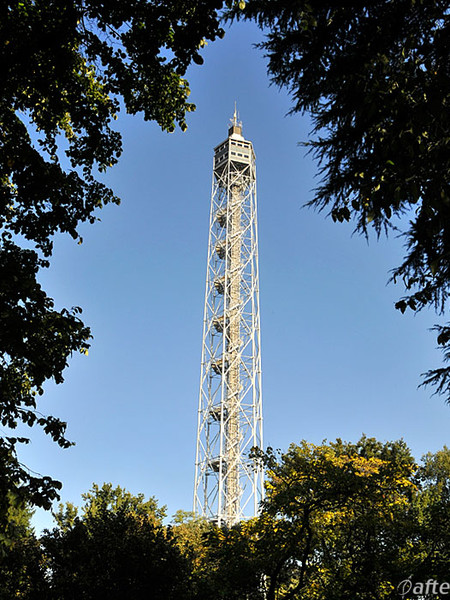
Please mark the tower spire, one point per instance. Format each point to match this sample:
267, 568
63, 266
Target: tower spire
235, 124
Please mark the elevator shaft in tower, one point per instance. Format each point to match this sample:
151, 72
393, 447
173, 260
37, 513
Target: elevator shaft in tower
232, 349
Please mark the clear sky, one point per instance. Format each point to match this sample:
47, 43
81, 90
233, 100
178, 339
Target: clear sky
338, 360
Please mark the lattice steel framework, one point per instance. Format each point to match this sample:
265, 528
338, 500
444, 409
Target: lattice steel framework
228, 483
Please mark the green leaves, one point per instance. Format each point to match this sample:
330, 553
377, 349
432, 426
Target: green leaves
338, 521
374, 78
340, 214
66, 69
114, 547
36, 342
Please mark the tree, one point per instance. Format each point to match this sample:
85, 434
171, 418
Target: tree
22, 565
190, 532
375, 78
106, 499
233, 563
118, 548
338, 522
341, 513
66, 70
433, 517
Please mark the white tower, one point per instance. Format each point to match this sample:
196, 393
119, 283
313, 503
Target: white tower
228, 483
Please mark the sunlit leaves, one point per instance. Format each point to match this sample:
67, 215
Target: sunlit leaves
338, 521
332, 512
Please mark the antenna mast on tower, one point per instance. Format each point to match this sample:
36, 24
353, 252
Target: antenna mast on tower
228, 483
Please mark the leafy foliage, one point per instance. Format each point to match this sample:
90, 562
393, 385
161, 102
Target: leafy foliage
340, 520
190, 531
22, 565
375, 78
66, 70
338, 511
36, 342
118, 548
433, 515
232, 563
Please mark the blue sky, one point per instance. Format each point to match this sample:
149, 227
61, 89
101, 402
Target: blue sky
337, 359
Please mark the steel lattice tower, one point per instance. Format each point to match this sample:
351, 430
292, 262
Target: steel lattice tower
228, 483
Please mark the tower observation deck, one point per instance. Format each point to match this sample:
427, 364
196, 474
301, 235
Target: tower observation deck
228, 483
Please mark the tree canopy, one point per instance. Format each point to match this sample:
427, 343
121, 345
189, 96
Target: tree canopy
375, 77
117, 548
67, 68
340, 521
